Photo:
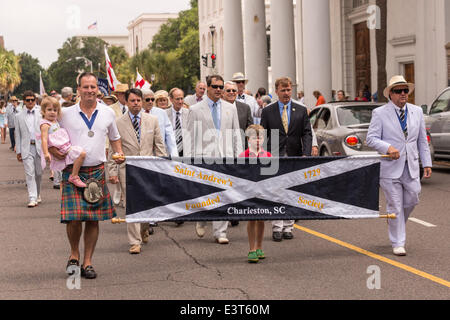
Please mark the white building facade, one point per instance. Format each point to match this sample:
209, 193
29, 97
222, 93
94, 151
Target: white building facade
142, 30
327, 45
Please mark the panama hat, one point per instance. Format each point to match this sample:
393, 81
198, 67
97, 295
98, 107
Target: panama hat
395, 82
121, 87
239, 76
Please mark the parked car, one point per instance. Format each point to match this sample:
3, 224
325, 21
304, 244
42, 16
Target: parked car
341, 128
437, 121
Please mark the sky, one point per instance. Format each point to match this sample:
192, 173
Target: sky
40, 27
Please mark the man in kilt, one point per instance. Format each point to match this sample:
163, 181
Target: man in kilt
88, 124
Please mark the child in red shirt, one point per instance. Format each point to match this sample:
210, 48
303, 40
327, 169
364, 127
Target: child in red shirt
255, 229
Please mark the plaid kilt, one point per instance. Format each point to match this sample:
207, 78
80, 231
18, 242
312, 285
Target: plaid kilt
73, 205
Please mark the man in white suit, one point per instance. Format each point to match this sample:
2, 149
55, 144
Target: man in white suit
398, 130
28, 147
213, 128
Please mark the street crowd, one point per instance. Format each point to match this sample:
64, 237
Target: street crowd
85, 138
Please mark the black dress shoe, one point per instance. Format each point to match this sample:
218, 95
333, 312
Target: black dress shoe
57, 187
288, 235
71, 265
277, 236
234, 223
88, 272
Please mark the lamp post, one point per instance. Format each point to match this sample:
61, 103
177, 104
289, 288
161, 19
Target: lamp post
212, 29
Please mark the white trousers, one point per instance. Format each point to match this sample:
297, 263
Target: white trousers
219, 228
33, 173
402, 195
283, 225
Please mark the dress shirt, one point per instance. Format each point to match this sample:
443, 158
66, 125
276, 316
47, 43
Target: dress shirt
281, 106
31, 123
219, 109
138, 116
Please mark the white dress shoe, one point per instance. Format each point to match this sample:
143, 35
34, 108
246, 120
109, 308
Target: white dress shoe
200, 230
399, 251
222, 240
32, 204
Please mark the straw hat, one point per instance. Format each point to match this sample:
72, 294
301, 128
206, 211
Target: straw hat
121, 88
239, 76
161, 94
395, 82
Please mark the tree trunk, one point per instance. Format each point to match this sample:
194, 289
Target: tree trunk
381, 43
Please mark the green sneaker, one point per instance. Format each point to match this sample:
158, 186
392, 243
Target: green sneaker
260, 254
253, 257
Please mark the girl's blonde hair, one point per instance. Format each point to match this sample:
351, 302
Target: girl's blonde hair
50, 102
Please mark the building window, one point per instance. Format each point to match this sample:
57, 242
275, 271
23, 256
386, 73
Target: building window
359, 3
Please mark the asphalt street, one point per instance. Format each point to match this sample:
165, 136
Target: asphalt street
326, 259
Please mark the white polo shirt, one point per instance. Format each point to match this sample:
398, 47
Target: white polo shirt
104, 126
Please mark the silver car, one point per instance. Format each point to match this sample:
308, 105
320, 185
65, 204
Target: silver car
341, 128
438, 124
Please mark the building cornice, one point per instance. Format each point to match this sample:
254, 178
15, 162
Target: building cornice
403, 41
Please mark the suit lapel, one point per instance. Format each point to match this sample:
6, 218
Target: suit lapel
393, 115
294, 113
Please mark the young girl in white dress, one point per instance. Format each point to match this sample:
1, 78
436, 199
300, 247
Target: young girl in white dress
53, 135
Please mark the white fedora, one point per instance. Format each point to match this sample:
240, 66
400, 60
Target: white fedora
239, 76
395, 82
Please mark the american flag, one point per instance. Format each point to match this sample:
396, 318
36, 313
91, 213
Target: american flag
93, 26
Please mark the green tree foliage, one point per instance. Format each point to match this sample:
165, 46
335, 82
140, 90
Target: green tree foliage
178, 42
64, 71
30, 67
9, 71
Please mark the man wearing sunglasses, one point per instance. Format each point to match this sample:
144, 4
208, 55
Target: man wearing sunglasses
398, 130
28, 147
213, 126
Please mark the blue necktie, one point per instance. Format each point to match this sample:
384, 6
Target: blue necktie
215, 116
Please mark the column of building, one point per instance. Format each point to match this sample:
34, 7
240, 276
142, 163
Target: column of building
233, 38
282, 41
255, 44
316, 49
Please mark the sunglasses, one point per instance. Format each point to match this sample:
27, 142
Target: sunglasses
239, 82
400, 91
231, 90
150, 99
215, 86
30, 100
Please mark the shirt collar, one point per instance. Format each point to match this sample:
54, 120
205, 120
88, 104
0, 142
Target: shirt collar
132, 116
281, 105
210, 102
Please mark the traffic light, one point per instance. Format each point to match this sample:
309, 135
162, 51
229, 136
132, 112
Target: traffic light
205, 60
213, 60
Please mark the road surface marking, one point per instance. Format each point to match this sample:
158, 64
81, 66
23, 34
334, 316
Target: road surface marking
376, 256
424, 223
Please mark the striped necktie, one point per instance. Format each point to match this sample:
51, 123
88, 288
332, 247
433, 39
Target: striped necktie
402, 120
178, 133
136, 128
